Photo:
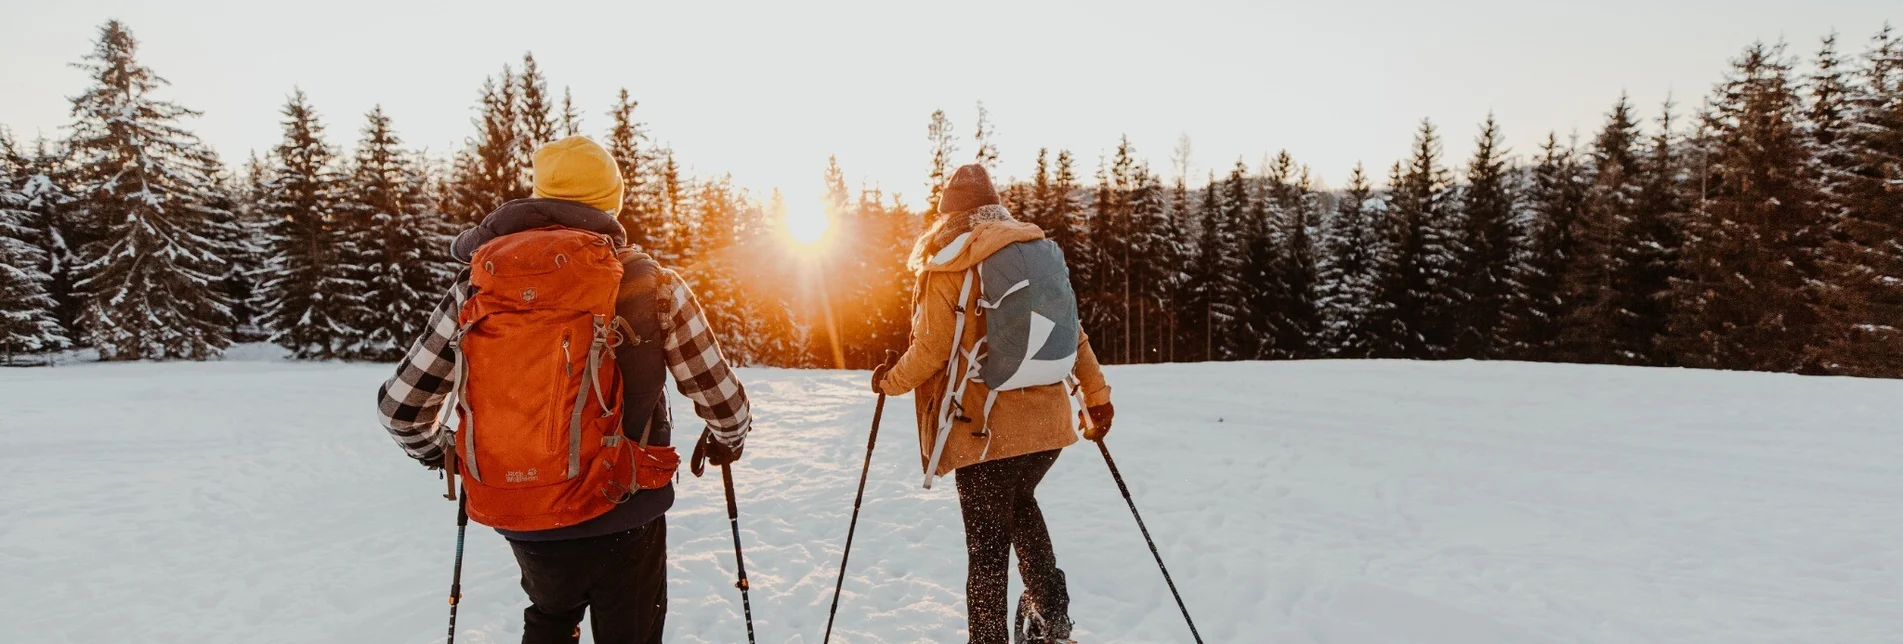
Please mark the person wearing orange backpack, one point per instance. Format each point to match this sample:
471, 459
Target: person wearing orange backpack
999, 359
554, 347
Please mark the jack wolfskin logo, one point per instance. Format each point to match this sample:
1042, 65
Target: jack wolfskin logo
522, 477
528, 295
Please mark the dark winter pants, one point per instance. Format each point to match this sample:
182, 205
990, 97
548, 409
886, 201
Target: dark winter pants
1000, 511
621, 579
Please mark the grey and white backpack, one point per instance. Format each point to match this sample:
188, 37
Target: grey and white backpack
1031, 329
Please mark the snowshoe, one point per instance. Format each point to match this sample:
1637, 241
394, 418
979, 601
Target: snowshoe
1033, 628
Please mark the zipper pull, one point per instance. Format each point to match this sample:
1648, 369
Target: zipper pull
568, 361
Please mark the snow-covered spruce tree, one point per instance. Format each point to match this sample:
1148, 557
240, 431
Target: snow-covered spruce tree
1229, 297
1485, 258
1033, 209
1291, 226
538, 125
1592, 332
397, 240
1109, 306
1424, 243
643, 213
151, 278
312, 289
224, 207
571, 119
1346, 290
244, 282
63, 228
29, 322
1555, 196
1751, 248
489, 171
1066, 216
682, 237
1259, 256
1148, 271
1863, 330
1650, 255
1178, 256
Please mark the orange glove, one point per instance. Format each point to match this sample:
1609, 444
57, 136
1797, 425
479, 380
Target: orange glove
1100, 417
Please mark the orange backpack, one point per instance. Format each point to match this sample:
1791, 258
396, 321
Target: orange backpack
540, 441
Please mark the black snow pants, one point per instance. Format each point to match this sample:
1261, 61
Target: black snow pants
620, 579
1000, 511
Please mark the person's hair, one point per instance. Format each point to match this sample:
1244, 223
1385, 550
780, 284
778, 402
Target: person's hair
947, 228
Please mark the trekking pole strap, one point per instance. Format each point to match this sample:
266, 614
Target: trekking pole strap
1112, 463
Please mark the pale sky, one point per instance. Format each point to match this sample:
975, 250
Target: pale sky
767, 90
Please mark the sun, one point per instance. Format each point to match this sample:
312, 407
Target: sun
807, 231
807, 226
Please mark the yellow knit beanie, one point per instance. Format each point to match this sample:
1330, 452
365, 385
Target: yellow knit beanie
580, 170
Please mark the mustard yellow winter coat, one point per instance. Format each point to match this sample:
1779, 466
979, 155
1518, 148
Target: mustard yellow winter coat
1032, 419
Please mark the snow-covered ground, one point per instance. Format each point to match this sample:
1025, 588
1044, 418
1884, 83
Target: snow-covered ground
1328, 503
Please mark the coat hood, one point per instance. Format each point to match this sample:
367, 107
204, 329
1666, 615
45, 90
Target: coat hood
970, 237
529, 214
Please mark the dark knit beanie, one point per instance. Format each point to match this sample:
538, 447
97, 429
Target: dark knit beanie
970, 187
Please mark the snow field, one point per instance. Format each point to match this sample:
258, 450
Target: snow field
1320, 502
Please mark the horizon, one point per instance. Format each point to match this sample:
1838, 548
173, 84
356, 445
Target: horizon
768, 133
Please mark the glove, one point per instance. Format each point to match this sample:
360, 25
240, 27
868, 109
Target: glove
711, 450
1100, 417
878, 377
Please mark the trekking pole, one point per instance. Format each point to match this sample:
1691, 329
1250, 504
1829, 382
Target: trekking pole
1146, 538
739, 559
853, 525
456, 580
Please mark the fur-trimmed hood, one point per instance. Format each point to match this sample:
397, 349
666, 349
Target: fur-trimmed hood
965, 238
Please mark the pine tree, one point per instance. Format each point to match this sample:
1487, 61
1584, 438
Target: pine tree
1034, 209
243, 285
571, 119
1147, 272
944, 145
490, 170
1065, 215
1214, 284
63, 227
1863, 296
1750, 249
1650, 256
1549, 211
150, 279
312, 289
538, 119
987, 139
1237, 223
1596, 286
1485, 259
398, 243
1289, 268
1179, 254
29, 322
1424, 292
643, 213
1347, 290
680, 244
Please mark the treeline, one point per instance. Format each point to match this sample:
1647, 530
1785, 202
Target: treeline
1760, 230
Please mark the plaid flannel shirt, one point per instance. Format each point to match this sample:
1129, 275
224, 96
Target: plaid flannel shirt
411, 402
